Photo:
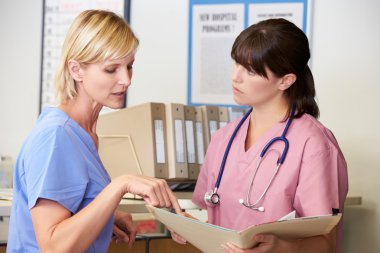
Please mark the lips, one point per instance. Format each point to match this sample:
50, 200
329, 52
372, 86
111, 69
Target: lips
119, 93
236, 90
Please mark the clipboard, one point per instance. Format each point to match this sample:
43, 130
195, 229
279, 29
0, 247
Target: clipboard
209, 238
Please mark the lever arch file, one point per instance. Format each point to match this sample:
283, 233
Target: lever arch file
191, 142
133, 140
210, 121
199, 135
235, 113
176, 141
223, 116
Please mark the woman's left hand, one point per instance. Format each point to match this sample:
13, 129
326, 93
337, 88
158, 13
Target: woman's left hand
123, 229
266, 244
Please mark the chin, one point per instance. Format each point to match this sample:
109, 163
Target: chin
239, 102
115, 106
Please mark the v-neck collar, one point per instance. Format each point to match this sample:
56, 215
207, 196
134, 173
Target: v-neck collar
255, 150
84, 136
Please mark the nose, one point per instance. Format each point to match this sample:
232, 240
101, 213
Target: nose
125, 77
236, 73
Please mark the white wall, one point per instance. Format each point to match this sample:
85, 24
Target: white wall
345, 63
20, 53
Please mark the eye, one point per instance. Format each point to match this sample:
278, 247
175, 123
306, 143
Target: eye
110, 71
130, 67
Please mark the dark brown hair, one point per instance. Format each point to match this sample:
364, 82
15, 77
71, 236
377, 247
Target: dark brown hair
283, 48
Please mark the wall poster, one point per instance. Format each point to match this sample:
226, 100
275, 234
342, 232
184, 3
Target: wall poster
213, 27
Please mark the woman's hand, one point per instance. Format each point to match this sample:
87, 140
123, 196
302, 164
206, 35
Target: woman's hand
176, 237
156, 192
123, 229
266, 244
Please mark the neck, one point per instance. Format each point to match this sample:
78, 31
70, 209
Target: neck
263, 118
85, 114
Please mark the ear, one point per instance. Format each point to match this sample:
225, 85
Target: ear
75, 70
287, 81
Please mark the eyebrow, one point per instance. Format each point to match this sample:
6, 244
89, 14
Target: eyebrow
116, 62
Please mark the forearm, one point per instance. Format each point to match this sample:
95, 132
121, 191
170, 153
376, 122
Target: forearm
59, 231
78, 232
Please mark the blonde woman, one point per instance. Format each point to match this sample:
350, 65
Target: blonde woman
64, 200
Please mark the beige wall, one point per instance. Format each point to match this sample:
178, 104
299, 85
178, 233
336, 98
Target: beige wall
345, 47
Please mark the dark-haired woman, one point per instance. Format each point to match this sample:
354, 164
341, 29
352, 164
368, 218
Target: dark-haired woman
271, 75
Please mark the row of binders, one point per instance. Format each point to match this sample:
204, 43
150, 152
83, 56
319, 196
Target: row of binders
160, 140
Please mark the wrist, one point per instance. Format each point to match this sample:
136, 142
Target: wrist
122, 184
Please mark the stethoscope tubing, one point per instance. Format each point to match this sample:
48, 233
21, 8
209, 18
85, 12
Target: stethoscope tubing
223, 164
262, 154
280, 138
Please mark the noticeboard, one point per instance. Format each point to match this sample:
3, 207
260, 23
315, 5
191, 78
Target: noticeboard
213, 27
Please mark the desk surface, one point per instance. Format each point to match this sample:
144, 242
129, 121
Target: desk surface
138, 206
127, 205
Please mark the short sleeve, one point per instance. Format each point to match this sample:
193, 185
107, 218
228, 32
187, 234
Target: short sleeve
55, 169
322, 184
200, 188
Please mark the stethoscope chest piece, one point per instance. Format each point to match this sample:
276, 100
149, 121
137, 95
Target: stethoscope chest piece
212, 198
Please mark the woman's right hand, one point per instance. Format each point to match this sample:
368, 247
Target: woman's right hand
176, 237
155, 192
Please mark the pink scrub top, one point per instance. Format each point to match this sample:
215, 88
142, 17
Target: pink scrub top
312, 180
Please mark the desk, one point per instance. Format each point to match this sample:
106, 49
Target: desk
139, 212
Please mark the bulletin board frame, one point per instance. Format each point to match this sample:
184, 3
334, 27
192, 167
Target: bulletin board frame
213, 26
57, 17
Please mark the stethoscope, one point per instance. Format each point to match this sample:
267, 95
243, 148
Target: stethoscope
212, 198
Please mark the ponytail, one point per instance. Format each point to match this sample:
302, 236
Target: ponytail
302, 94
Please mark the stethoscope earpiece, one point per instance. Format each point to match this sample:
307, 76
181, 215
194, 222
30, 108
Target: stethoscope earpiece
260, 208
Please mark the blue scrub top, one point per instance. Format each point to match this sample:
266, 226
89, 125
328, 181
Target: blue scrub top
58, 161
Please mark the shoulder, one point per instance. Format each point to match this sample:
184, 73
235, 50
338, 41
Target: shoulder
52, 125
313, 134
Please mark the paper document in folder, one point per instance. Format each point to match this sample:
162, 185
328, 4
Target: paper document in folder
209, 238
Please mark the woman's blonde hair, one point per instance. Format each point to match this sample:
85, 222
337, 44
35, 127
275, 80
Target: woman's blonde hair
94, 36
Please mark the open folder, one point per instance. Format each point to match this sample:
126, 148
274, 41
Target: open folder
209, 238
